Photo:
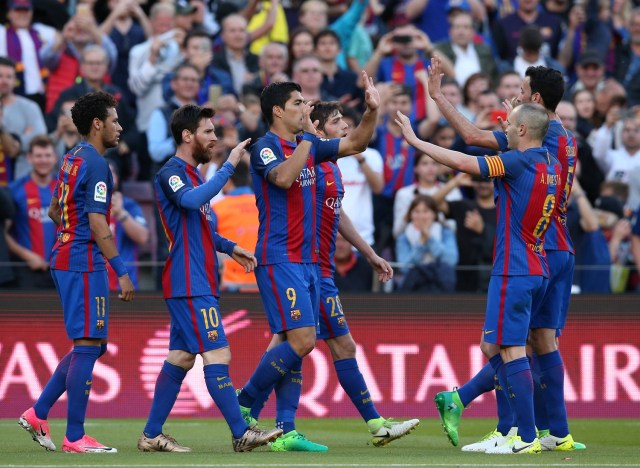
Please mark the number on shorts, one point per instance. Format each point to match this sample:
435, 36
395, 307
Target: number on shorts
210, 318
100, 300
335, 303
291, 295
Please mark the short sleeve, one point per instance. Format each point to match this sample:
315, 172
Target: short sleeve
326, 150
135, 211
98, 186
173, 182
501, 138
508, 165
264, 157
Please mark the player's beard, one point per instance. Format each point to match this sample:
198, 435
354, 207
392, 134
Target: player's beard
201, 153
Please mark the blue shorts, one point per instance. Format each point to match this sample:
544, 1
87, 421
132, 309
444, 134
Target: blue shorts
332, 320
85, 302
196, 324
552, 311
509, 304
290, 294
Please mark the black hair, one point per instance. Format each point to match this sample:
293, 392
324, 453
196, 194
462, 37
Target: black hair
324, 110
91, 106
325, 33
549, 83
531, 38
188, 118
7, 62
196, 32
276, 94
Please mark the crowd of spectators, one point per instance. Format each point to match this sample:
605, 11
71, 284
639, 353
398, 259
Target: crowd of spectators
155, 56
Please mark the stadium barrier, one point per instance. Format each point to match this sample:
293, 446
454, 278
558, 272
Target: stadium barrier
410, 347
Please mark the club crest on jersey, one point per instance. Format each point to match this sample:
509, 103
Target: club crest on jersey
267, 156
100, 192
212, 335
295, 315
175, 182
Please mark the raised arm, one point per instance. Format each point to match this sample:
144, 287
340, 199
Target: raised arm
471, 134
453, 159
358, 140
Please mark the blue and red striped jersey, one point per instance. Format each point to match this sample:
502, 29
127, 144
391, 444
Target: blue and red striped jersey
562, 144
329, 193
392, 69
192, 266
287, 231
84, 186
398, 157
32, 228
526, 184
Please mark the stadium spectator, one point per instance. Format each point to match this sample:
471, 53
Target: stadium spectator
213, 82
149, 62
590, 73
635, 241
31, 234
64, 63
127, 25
185, 15
183, 201
21, 121
426, 172
7, 212
452, 92
267, 25
336, 81
362, 177
93, 68
65, 136
300, 45
235, 58
627, 60
238, 219
274, 59
426, 249
585, 104
251, 125
353, 272
468, 56
616, 164
78, 270
475, 85
129, 228
432, 16
509, 83
26, 43
307, 72
530, 52
506, 31
475, 230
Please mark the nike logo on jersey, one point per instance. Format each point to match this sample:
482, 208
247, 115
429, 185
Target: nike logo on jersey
330, 183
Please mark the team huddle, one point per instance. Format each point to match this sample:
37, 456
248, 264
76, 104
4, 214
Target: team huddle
298, 191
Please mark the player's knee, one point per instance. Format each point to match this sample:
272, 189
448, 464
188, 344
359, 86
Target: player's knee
543, 340
342, 348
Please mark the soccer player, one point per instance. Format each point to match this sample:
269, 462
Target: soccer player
544, 86
190, 283
283, 170
80, 209
527, 180
333, 329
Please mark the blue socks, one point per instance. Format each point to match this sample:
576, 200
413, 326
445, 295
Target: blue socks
57, 385
354, 385
261, 400
506, 411
164, 397
539, 410
221, 390
481, 383
552, 384
78, 383
275, 364
521, 385
288, 390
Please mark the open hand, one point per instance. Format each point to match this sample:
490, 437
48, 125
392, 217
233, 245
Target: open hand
238, 152
371, 94
244, 258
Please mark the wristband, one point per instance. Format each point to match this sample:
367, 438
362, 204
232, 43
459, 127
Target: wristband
118, 266
310, 137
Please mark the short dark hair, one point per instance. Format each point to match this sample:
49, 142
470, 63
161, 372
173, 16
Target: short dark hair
536, 118
324, 110
326, 33
7, 62
196, 32
531, 38
549, 83
183, 66
41, 141
240, 176
276, 94
91, 106
188, 117
427, 200
404, 90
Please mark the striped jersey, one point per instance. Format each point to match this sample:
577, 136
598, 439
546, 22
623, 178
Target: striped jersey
398, 158
329, 193
287, 232
84, 186
392, 69
32, 227
527, 184
192, 266
562, 144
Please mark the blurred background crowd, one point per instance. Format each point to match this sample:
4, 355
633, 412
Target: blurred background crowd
438, 227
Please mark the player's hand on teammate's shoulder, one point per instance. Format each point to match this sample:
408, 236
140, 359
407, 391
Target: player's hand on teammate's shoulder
371, 94
244, 258
238, 152
127, 291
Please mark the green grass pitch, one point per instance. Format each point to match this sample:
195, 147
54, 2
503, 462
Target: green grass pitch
610, 443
